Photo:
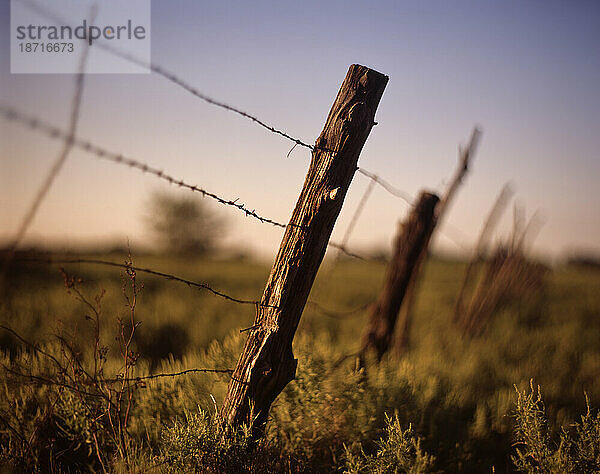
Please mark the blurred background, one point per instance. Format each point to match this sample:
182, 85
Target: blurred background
526, 73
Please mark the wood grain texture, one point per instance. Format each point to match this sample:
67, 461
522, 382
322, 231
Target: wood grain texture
267, 363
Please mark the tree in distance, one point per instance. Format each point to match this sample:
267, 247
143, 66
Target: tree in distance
183, 225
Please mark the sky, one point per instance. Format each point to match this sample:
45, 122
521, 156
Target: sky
526, 72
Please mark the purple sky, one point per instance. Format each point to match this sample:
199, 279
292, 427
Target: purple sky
526, 72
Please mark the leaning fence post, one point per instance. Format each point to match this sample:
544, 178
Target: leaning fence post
411, 240
267, 363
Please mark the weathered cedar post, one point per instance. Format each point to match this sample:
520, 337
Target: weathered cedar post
410, 240
267, 363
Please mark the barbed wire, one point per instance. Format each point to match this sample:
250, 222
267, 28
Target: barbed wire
190, 283
34, 123
168, 276
42, 380
406, 197
161, 71
172, 374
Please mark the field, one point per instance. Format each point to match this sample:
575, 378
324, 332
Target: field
448, 405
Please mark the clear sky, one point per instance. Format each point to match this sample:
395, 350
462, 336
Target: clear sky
527, 72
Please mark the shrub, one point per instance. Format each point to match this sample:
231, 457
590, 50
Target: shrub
399, 452
578, 450
199, 443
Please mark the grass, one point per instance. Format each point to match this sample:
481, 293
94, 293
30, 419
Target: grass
448, 406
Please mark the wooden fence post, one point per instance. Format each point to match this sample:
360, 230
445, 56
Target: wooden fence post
401, 339
267, 363
412, 237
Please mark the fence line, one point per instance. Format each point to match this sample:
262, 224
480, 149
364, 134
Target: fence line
189, 283
71, 140
180, 82
50, 130
34, 123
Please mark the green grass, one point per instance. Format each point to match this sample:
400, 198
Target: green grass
456, 394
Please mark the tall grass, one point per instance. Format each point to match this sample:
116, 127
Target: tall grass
449, 405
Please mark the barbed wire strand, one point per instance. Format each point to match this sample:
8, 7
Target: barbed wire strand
343, 249
190, 283
168, 276
58, 163
41, 380
44, 380
172, 374
406, 197
171, 77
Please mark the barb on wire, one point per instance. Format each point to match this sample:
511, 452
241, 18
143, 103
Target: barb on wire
102, 153
387, 186
190, 283
59, 162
